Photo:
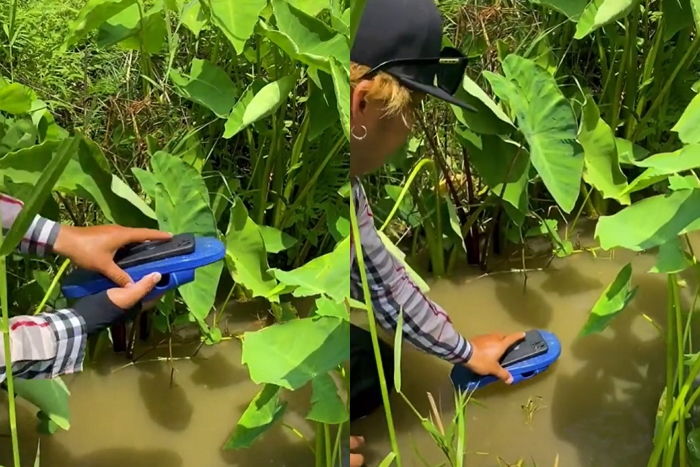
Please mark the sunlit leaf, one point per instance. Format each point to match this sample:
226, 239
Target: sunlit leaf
206, 84
635, 229
15, 98
92, 15
276, 240
327, 307
326, 404
326, 274
262, 412
613, 300
660, 166
292, 353
602, 168
236, 19
341, 84
489, 118
246, 255
688, 126
133, 29
547, 121
571, 8
598, 13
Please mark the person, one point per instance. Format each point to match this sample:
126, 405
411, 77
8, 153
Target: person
47, 345
396, 60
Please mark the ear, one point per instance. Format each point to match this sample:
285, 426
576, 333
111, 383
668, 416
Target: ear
358, 99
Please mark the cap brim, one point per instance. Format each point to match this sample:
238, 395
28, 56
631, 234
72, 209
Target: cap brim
435, 92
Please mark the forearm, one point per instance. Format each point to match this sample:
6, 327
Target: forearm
426, 325
41, 235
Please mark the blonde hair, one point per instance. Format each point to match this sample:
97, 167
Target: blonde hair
398, 100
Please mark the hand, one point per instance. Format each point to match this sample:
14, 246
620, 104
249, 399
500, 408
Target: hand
132, 293
487, 350
94, 247
356, 460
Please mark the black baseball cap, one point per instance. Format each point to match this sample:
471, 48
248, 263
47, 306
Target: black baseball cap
404, 39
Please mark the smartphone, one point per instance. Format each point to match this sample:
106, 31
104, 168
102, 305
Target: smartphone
532, 346
147, 252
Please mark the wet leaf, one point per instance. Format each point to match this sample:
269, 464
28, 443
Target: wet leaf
208, 85
326, 404
292, 353
613, 300
672, 258
236, 19
48, 395
262, 412
547, 121
602, 167
246, 255
688, 126
327, 274
92, 15
633, 228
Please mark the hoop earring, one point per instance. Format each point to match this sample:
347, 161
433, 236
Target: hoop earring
364, 135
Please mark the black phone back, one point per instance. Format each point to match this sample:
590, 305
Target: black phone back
147, 252
532, 346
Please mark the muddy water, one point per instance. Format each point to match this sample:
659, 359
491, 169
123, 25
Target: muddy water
595, 407
133, 417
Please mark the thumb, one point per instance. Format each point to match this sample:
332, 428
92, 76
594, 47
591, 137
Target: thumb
503, 374
116, 274
127, 297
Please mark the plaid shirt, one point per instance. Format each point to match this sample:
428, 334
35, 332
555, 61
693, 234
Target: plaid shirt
425, 324
48, 344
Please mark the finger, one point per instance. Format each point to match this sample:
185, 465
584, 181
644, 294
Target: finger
116, 274
512, 339
144, 235
356, 441
127, 297
503, 374
357, 460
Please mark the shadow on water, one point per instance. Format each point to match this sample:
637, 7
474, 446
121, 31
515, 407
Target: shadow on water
167, 404
526, 305
216, 371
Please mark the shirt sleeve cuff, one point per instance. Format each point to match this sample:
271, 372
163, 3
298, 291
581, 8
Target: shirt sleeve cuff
464, 353
40, 238
71, 338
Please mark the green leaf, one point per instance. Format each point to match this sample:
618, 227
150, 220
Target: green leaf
687, 182
267, 100
305, 38
327, 274
693, 443
182, 205
246, 256
277, 354
601, 165
92, 15
131, 29
262, 412
234, 122
276, 240
87, 175
48, 395
401, 258
688, 126
489, 118
193, 16
571, 8
236, 19
207, 85
629, 153
326, 404
613, 300
42, 190
310, 7
327, 307
677, 15
547, 121
672, 258
660, 166
635, 229
15, 98
398, 340
341, 84
598, 13
388, 460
